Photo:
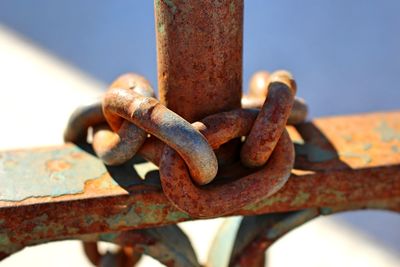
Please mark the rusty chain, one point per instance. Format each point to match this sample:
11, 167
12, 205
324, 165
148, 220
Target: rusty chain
130, 121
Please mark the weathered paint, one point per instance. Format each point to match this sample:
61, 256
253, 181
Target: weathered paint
50, 173
119, 193
363, 157
387, 133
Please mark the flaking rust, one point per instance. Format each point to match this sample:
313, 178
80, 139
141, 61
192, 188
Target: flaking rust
127, 202
71, 194
199, 46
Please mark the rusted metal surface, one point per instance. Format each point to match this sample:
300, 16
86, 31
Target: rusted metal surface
233, 194
258, 91
270, 122
81, 119
169, 245
298, 114
115, 148
199, 46
123, 108
156, 119
257, 233
123, 257
57, 193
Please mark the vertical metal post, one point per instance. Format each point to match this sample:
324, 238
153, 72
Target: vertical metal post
199, 54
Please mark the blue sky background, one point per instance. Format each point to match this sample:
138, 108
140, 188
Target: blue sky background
345, 55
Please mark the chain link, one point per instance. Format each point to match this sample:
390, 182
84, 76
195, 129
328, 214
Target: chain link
129, 113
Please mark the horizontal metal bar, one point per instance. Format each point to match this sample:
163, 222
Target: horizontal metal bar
62, 192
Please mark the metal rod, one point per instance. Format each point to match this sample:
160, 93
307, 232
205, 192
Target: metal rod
199, 54
335, 169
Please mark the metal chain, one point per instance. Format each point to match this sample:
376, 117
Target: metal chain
184, 151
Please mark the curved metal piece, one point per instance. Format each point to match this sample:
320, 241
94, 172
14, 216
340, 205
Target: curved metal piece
271, 121
123, 257
298, 114
115, 148
169, 244
258, 91
81, 119
148, 114
257, 233
220, 199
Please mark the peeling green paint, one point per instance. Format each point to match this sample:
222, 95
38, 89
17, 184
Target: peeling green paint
387, 133
108, 237
132, 216
232, 7
161, 28
171, 6
4, 240
338, 195
300, 199
326, 210
267, 202
128, 218
176, 216
366, 159
314, 153
46, 173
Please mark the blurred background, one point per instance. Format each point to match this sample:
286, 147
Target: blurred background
345, 56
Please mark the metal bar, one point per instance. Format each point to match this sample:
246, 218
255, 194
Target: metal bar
199, 48
61, 192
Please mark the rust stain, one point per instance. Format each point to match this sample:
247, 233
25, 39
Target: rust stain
57, 165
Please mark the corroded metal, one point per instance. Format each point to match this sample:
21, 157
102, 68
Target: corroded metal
199, 46
257, 233
298, 114
123, 257
233, 194
258, 91
148, 114
270, 122
169, 245
81, 119
115, 148
343, 161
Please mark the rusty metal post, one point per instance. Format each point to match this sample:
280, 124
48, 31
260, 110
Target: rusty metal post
199, 54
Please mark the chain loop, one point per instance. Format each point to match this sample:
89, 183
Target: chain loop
148, 114
184, 151
271, 120
115, 148
221, 199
